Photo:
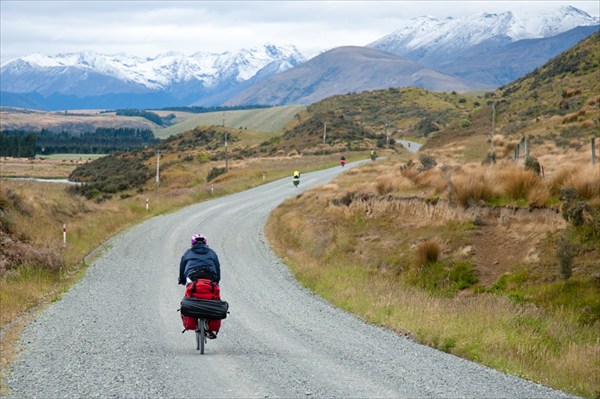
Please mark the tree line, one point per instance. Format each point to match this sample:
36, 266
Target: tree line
26, 144
201, 110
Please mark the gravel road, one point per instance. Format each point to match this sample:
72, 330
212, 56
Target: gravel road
117, 332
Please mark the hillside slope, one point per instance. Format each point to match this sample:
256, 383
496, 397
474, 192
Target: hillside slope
557, 104
347, 70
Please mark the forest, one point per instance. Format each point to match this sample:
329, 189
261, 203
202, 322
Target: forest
28, 144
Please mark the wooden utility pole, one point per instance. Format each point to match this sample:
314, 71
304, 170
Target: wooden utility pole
387, 134
493, 127
157, 170
226, 155
324, 136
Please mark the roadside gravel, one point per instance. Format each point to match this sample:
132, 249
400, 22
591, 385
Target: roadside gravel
117, 332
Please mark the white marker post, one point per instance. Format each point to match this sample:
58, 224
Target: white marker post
64, 234
146, 203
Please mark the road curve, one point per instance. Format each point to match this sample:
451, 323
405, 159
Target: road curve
117, 332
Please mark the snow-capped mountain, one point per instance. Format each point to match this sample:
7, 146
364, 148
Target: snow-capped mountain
441, 43
184, 78
427, 37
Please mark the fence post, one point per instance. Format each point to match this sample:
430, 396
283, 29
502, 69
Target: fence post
593, 150
65, 234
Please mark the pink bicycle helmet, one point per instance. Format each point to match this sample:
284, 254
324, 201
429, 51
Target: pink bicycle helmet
196, 238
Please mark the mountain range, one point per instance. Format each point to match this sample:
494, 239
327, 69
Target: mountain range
482, 51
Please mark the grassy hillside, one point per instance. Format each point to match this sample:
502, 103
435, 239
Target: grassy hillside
401, 113
260, 120
555, 107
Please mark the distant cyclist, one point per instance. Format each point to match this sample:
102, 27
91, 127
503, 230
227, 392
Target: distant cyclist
296, 178
373, 155
343, 161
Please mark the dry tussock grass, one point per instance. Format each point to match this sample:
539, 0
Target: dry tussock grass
427, 252
472, 186
498, 140
585, 179
588, 123
392, 181
518, 183
509, 149
17, 254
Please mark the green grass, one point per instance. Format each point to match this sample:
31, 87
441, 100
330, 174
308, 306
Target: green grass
257, 120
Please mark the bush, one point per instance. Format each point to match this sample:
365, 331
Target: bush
565, 253
214, 173
577, 212
462, 275
531, 163
427, 162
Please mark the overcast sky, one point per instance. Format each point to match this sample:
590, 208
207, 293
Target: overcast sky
148, 28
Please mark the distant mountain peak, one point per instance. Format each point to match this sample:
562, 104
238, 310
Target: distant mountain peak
424, 36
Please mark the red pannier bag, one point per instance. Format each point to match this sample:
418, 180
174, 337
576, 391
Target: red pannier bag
202, 289
189, 323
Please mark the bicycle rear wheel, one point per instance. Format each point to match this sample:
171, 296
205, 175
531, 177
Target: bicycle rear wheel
201, 336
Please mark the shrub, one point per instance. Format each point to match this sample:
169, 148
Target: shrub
577, 212
565, 253
531, 163
214, 173
462, 275
427, 162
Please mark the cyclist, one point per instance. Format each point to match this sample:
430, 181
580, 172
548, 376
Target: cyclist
199, 261
373, 155
296, 178
343, 161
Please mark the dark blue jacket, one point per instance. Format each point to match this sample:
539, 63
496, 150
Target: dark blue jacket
200, 255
